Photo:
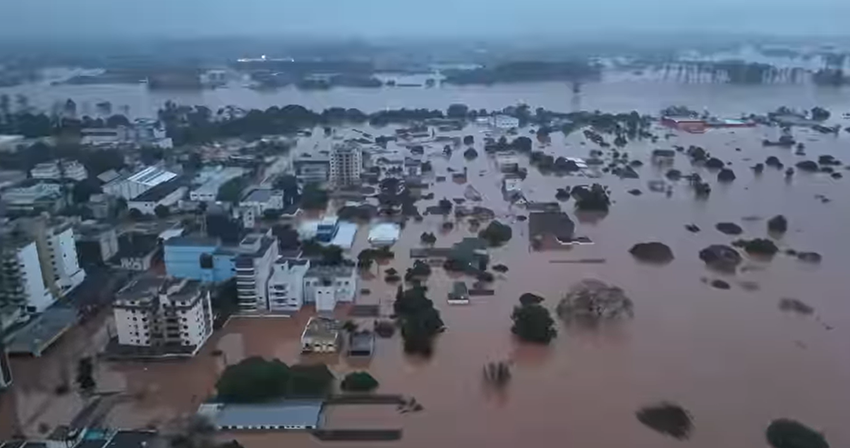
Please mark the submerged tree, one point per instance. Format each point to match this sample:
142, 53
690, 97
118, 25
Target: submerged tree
497, 374
593, 301
533, 323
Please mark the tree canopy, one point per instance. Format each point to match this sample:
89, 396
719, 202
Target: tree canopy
496, 233
420, 322
359, 382
255, 380
533, 323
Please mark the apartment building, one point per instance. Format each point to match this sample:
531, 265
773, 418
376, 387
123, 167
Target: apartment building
257, 254
346, 165
171, 315
22, 287
57, 253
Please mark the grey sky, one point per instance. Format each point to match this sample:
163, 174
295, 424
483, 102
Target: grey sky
377, 18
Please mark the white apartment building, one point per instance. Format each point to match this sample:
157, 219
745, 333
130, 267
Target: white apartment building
173, 315
58, 170
22, 287
130, 187
61, 252
286, 285
256, 255
346, 165
328, 285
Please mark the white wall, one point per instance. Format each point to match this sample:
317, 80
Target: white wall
38, 296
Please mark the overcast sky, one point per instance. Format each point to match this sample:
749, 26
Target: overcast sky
415, 18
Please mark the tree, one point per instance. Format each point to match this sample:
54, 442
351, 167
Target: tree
820, 114
309, 380
428, 238
231, 191
287, 237
532, 323
359, 382
332, 256
457, 111
522, 144
161, 211
787, 433
117, 120
314, 197
420, 322
289, 185
593, 199
445, 206
469, 140
85, 378
253, 380
84, 189
496, 233
593, 301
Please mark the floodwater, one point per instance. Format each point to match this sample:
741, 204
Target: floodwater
620, 91
732, 358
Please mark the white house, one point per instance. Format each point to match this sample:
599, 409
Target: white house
22, 290
257, 254
328, 285
286, 285
504, 122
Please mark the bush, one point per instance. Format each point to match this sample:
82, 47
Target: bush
594, 198
786, 433
530, 299
253, 380
428, 238
359, 382
532, 323
470, 153
496, 233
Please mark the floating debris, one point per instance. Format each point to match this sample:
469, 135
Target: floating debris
795, 306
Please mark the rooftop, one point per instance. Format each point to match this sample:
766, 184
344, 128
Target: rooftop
131, 439
152, 176
321, 327
160, 191
259, 195
297, 413
148, 288
192, 241
330, 271
136, 244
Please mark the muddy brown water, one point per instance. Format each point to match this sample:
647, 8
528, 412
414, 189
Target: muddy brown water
728, 356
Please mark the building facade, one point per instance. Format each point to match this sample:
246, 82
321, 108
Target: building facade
286, 285
253, 271
346, 165
325, 286
163, 312
22, 287
312, 170
57, 253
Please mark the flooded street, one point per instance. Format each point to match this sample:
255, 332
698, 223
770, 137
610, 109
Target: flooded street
730, 357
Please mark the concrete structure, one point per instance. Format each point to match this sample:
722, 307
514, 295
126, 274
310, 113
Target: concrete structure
504, 122
289, 415
60, 170
312, 170
166, 194
57, 253
253, 271
211, 180
137, 251
40, 196
286, 285
262, 199
412, 167
143, 132
346, 164
22, 287
384, 234
10, 178
101, 205
325, 286
507, 162
195, 258
320, 335
130, 187
11, 142
96, 243
163, 312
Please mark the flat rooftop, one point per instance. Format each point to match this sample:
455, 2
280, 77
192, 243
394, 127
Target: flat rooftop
42, 331
321, 327
290, 413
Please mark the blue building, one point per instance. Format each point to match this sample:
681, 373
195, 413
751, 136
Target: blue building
198, 258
